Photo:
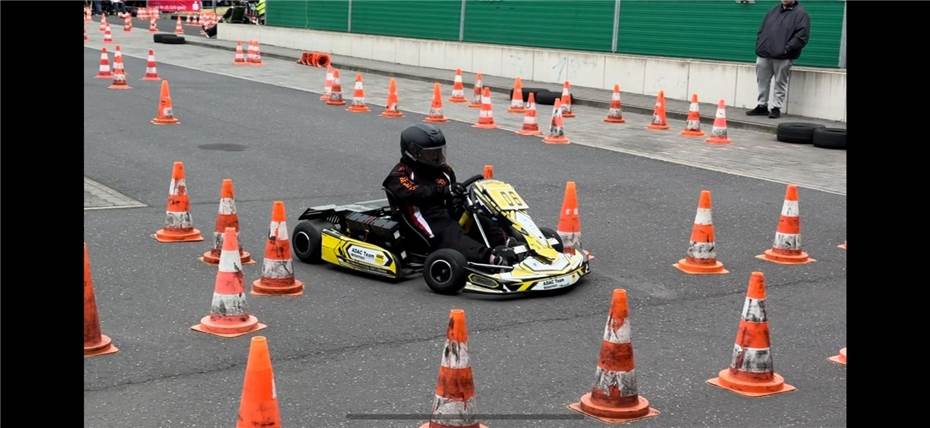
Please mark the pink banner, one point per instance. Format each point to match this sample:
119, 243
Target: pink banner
176, 5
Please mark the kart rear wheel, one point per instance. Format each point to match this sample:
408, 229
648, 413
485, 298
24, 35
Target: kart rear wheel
444, 271
306, 242
549, 233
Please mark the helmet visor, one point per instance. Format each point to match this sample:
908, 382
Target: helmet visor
433, 156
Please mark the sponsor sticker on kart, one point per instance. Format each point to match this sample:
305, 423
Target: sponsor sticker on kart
557, 282
365, 255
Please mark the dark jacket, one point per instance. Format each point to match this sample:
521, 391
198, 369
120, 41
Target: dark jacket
421, 187
784, 32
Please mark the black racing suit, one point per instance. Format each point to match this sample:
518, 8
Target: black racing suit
422, 194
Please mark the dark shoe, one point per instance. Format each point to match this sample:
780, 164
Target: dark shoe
760, 110
775, 114
503, 256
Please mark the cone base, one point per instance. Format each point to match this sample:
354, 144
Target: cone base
568, 114
473, 105
692, 133
516, 110
261, 289
150, 78
104, 76
427, 425
838, 359
171, 121
484, 125
391, 114
458, 100
104, 347
609, 119
842, 246
727, 381
256, 64
358, 109
164, 235
528, 132
119, 87
239, 63
210, 259
556, 140
330, 102
785, 259
657, 127
696, 269
718, 140
436, 119
612, 415
232, 330
324, 97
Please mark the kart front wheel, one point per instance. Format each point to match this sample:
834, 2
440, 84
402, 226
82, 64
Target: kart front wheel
549, 233
307, 242
444, 271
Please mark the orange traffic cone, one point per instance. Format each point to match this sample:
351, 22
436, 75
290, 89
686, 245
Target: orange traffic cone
177, 28
530, 127
751, 372
615, 397
165, 114
104, 70
435, 109
327, 83
693, 125
95, 342
842, 246
702, 254
225, 217
258, 406
358, 97
127, 23
486, 114
454, 405
786, 249
615, 112
556, 130
255, 53
229, 316
516, 100
567, 100
240, 57
488, 172
103, 22
119, 73
179, 226
569, 228
152, 27
659, 121
839, 358
390, 110
458, 89
478, 90
335, 96
151, 73
718, 134
277, 268
107, 35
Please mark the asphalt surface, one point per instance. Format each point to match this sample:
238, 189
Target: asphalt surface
354, 344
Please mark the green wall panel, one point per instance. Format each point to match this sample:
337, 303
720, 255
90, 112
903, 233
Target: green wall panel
423, 19
579, 24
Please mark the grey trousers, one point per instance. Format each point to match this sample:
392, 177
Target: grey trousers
765, 69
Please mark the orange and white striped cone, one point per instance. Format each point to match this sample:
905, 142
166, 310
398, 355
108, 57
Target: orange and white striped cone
567, 100
390, 109
454, 404
107, 35
569, 227
258, 405
165, 113
786, 248
87, 15
141, 14
95, 342
358, 97
127, 23
556, 126
152, 27
277, 268
179, 225
229, 315
119, 73
693, 124
659, 120
187, 20
435, 109
702, 249
516, 99
177, 28
104, 71
839, 358
103, 22
255, 56
151, 72
335, 96
486, 114
615, 111
615, 398
530, 127
842, 246
226, 216
458, 88
478, 90
327, 83
488, 172
718, 134
239, 59
751, 372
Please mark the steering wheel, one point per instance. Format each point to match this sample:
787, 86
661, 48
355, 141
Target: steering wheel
471, 180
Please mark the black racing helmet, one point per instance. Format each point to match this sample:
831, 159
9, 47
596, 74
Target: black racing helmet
423, 144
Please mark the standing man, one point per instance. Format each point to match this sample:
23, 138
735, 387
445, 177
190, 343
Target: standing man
784, 32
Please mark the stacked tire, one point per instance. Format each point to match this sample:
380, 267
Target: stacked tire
810, 133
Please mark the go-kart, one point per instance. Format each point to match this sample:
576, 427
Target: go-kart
377, 238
